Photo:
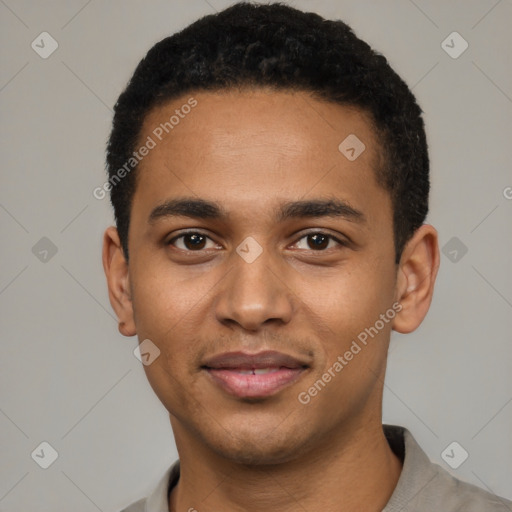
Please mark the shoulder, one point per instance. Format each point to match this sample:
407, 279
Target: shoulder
457, 495
158, 500
425, 486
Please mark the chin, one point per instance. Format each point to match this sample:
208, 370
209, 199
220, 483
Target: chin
257, 455
259, 448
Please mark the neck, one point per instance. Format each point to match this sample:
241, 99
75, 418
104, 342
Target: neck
352, 470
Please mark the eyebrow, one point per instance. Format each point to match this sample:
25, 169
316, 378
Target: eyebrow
204, 209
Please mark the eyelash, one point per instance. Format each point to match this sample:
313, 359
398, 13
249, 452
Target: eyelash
329, 236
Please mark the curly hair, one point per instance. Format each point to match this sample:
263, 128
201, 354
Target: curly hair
277, 46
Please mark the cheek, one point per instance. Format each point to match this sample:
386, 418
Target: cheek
165, 311
165, 299
349, 299
346, 314
170, 386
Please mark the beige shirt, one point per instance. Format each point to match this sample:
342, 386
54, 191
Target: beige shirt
422, 487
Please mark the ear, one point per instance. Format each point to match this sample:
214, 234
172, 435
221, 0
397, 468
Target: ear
416, 277
118, 281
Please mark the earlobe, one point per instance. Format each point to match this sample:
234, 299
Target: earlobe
416, 278
118, 281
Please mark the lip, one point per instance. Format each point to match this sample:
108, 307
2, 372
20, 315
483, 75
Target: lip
254, 375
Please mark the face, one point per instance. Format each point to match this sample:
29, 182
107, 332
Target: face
256, 298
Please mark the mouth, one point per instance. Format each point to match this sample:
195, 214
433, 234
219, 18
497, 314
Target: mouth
254, 375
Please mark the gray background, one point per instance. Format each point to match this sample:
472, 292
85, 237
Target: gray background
70, 379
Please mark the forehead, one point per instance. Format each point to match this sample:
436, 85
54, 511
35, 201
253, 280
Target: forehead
224, 119
248, 147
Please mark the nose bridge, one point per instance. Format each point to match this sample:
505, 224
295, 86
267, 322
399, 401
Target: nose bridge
253, 291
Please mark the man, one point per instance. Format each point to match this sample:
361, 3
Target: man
269, 176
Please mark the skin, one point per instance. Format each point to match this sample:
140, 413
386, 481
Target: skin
250, 151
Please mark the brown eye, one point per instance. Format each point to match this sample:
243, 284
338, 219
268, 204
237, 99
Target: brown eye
318, 242
192, 241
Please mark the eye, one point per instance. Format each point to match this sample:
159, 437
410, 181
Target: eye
191, 241
319, 241
194, 241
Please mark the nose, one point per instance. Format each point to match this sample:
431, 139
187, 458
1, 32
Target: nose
254, 294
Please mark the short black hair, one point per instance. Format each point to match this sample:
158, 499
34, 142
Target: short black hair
277, 46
